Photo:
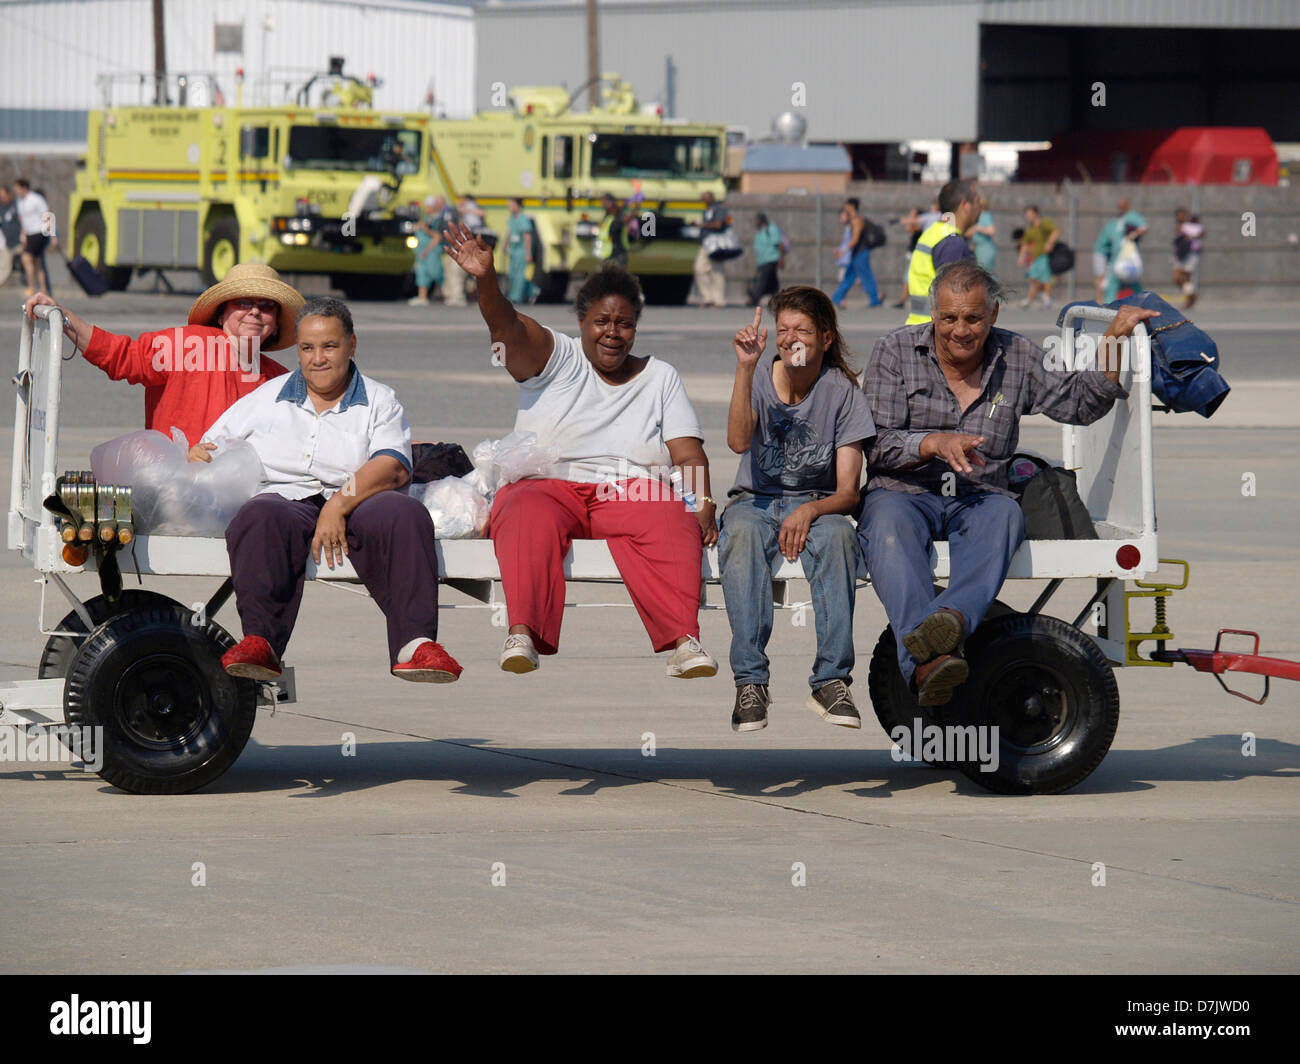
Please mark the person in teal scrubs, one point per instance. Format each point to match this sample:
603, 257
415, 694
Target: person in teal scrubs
428, 251
520, 235
986, 251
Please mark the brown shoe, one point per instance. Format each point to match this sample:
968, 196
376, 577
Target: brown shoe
936, 680
940, 633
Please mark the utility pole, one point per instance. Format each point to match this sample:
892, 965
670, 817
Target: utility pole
593, 54
159, 56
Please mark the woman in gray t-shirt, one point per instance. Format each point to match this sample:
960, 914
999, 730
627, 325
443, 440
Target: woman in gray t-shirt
798, 423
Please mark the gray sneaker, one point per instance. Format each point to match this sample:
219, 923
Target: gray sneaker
691, 660
750, 713
833, 703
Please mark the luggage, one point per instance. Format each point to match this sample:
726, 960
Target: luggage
434, 461
1061, 259
87, 276
1050, 501
1184, 359
723, 245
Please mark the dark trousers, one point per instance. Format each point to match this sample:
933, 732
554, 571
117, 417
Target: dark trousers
390, 545
765, 283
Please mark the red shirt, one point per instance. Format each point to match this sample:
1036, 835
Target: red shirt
191, 374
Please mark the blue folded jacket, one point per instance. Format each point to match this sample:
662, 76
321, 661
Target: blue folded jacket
1184, 359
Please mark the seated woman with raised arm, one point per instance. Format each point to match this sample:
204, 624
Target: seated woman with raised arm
336, 451
192, 373
623, 426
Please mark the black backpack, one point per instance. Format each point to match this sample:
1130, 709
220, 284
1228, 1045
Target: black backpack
872, 235
1051, 504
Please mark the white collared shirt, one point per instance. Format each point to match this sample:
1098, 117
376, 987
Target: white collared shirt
306, 453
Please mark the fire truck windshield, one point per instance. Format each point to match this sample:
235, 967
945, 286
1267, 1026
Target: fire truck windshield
653, 155
331, 148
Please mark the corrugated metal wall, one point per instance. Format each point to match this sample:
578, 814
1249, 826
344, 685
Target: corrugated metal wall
736, 63
1232, 14
54, 50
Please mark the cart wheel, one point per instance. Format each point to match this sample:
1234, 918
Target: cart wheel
893, 700
173, 719
56, 658
1052, 695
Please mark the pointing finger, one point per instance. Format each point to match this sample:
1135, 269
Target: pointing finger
758, 317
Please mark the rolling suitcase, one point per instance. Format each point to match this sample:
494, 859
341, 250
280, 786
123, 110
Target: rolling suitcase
87, 276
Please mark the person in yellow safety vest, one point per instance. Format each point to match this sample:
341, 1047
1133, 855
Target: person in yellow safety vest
941, 243
613, 231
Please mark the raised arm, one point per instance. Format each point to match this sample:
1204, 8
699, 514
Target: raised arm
526, 346
741, 421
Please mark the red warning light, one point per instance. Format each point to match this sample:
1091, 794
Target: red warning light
1128, 556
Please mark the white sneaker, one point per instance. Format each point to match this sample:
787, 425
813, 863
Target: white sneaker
518, 654
691, 660
416, 301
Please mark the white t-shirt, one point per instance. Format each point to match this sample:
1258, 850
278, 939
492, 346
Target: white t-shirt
605, 431
32, 210
304, 453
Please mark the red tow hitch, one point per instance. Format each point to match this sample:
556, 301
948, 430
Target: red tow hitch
1220, 661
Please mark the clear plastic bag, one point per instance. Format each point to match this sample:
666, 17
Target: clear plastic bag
458, 510
172, 496
511, 458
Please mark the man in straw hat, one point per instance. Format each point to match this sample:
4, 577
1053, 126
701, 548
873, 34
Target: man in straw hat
193, 373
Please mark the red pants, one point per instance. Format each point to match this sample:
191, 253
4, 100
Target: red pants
655, 544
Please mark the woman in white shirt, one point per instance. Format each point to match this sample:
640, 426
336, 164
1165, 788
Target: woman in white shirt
336, 450
625, 431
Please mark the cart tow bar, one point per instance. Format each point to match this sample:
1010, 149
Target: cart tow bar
1219, 661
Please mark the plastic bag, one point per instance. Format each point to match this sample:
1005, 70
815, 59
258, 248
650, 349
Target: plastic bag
172, 496
511, 458
458, 510
1128, 263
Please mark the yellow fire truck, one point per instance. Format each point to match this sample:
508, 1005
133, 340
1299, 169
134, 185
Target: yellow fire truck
317, 182
561, 162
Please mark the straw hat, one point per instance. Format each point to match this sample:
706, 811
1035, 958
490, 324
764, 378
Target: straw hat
253, 281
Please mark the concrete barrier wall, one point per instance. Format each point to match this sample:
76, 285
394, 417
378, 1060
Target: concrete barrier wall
1235, 267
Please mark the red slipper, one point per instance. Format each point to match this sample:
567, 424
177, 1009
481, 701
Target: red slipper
252, 659
429, 664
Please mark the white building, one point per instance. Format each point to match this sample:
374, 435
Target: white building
55, 51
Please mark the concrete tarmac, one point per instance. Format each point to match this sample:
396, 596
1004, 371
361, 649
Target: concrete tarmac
507, 823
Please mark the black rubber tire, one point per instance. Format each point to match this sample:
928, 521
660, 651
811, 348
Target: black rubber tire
56, 658
893, 700
226, 228
91, 224
670, 291
173, 719
373, 287
1053, 696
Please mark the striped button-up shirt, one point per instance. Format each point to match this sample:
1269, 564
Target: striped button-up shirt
910, 398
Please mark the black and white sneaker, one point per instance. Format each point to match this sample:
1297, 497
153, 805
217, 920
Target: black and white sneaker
750, 713
833, 703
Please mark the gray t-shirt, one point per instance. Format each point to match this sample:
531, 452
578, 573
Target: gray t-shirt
793, 449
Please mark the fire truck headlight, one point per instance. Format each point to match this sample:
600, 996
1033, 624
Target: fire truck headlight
300, 238
286, 238
412, 243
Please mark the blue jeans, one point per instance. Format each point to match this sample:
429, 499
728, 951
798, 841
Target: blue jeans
747, 546
984, 530
859, 269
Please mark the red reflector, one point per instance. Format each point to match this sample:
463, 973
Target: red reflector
1128, 556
